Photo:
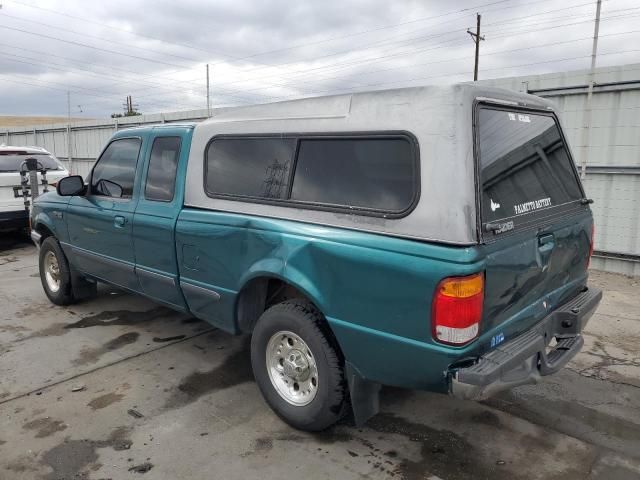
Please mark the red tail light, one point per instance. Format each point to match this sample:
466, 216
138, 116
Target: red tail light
457, 309
593, 231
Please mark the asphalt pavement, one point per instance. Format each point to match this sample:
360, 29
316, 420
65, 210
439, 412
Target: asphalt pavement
119, 387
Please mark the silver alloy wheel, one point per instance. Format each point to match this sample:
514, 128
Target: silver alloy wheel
292, 368
52, 271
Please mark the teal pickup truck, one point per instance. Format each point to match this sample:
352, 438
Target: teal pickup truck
433, 238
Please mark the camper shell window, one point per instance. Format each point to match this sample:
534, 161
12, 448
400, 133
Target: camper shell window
367, 174
525, 169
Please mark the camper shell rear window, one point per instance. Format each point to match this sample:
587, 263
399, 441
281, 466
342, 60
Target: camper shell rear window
368, 174
524, 166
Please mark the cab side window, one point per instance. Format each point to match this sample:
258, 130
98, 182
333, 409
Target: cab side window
163, 164
115, 172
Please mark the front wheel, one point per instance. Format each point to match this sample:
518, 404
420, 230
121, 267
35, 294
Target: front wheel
298, 366
54, 273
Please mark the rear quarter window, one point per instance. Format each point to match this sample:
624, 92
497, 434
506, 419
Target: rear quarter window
163, 164
525, 166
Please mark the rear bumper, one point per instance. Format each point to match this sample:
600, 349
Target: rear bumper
526, 358
14, 220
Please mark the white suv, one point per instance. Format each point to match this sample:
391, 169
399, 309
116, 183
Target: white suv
13, 215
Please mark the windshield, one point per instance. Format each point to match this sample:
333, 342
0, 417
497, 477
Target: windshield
524, 164
12, 162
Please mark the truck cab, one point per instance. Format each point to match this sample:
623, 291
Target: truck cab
435, 238
121, 228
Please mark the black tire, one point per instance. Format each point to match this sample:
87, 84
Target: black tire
64, 294
304, 320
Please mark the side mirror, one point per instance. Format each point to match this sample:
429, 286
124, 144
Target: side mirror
70, 186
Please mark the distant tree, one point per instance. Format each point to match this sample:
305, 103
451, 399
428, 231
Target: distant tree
132, 113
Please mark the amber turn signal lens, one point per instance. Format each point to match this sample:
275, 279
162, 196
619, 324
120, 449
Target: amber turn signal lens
462, 287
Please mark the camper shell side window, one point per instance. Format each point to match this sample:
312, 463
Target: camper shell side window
374, 174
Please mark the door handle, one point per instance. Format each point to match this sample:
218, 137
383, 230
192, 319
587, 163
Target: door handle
546, 244
119, 221
546, 239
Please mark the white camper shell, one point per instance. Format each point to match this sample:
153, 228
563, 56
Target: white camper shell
439, 118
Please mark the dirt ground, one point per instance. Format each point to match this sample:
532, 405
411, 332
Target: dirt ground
119, 388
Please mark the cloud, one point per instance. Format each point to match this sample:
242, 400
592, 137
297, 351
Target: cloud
262, 50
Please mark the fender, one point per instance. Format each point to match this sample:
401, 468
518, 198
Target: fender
43, 219
364, 394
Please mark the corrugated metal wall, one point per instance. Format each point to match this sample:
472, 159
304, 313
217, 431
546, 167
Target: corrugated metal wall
611, 146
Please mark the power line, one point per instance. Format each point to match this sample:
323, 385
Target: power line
490, 53
99, 48
265, 65
353, 62
511, 29
447, 45
173, 81
235, 82
383, 42
103, 39
367, 60
93, 47
69, 69
454, 74
147, 59
339, 37
111, 27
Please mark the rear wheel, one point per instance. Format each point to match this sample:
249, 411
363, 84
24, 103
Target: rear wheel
298, 366
54, 273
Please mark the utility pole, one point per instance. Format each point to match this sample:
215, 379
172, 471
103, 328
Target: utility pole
130, 109
208, 95
69, 158
475, 36
592, 74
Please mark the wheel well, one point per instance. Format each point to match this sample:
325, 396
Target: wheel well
258, 295
43, 230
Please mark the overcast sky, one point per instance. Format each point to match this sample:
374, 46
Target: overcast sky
271, 50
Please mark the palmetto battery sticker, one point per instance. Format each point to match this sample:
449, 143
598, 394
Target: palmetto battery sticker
531, 206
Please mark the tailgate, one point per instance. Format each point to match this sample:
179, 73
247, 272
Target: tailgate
536, 224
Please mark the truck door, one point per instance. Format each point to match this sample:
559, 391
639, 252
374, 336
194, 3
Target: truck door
100, 222
156, 215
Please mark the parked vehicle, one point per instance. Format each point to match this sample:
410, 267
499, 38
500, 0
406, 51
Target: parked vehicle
13, 215
432, 238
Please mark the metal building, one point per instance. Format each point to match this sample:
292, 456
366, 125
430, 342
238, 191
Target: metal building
608, 139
